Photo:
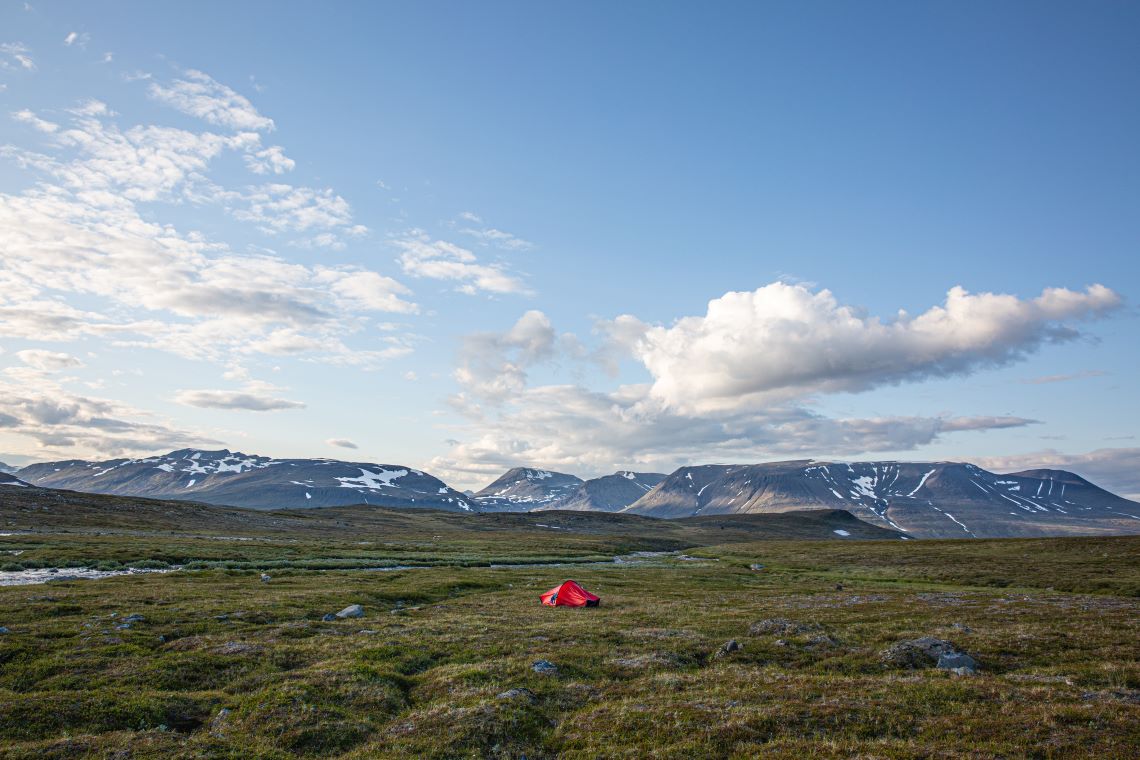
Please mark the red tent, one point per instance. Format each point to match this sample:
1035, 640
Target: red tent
569, 594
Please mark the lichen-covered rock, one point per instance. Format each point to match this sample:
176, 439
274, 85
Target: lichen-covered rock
351, 611
922, 652
546, 667
780, 627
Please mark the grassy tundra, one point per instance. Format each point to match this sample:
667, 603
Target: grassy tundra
223, 664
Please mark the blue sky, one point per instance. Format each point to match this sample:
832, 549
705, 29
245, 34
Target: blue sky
467, 236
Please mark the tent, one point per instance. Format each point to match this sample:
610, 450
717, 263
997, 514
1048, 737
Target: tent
569, 594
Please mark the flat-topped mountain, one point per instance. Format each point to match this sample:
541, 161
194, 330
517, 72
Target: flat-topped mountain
522, 489
929, 500
242, 480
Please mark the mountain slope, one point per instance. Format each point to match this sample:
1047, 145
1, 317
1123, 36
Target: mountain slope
929, 500
522, 489
240, 480
611, 493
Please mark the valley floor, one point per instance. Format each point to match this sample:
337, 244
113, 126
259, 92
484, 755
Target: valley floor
225, 665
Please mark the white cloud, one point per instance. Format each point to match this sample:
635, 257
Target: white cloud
421, 256
271, 160
75, 38
499, 239
1117, 470
49, 361
279, 208
342, 443
15, 56
27, 117
199, 95
737, 383
784, 341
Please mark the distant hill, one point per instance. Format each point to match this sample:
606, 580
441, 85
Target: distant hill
610, 493
522, 489
929, 500
251, 481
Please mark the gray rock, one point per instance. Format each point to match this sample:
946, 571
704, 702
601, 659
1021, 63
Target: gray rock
519, 693
962, 627
351, 611
780, 627
546, 667
957, 661
328, 618
134, 618
727, 648
3, 630
265, 578
922, 652
755, 566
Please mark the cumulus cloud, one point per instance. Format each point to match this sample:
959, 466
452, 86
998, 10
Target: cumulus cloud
784, 340
49, 361
422, 256
200, 95
1117, 470
77, 39
342, 443
737, 384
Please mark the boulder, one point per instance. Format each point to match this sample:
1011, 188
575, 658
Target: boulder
922, 652
957, 661
351, 611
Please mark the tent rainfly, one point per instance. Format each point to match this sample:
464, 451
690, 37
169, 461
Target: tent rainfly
569, 594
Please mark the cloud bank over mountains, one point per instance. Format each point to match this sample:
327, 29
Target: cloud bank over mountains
738, 382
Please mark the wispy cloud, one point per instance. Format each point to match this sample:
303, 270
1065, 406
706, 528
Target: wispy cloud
1045, 379
423, 256
342, 443
200, 95
16, 55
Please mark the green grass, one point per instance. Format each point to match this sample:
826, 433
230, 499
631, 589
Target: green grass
225, 666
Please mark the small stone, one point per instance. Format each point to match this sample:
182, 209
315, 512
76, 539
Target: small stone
519, 693
123, 626
962, 627
367, 632
351, 611
756, 566
134, 618
329, 617
265, 578
546, 667
3, 630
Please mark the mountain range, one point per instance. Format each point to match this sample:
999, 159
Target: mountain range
926, 500
240, 480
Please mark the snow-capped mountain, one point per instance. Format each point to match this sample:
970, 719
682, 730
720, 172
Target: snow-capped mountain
929, 500
241, 480
523, 488
610, 493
